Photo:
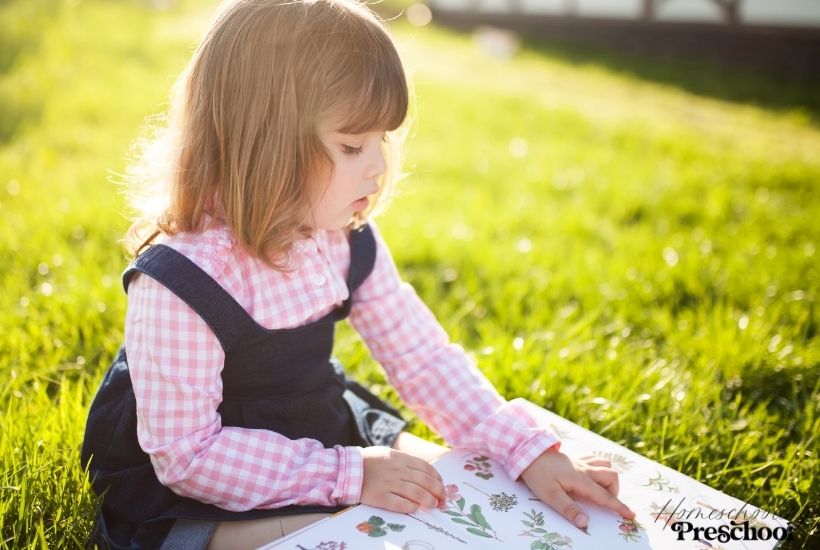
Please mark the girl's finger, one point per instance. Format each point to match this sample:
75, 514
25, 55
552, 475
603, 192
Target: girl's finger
397, 503
597, 461
595, 493
427, 469
556, 498
417, 494
606, 478
421, 490
422, 473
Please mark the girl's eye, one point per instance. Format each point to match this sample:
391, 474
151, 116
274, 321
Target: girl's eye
350, 150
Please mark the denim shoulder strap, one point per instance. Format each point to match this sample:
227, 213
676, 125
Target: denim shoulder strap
224, 315
362, 256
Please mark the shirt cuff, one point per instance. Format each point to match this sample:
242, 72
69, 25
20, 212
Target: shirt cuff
526, 453
351, 476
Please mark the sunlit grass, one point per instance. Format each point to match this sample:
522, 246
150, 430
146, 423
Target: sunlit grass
638, 259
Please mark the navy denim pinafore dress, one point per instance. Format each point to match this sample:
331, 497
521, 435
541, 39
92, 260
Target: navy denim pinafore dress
282, 380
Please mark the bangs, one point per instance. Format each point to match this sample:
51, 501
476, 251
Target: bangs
380, 105
370, 90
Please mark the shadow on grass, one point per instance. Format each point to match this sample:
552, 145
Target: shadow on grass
702, 77
785, 390
778, 87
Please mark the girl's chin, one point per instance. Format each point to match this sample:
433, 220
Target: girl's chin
334, 226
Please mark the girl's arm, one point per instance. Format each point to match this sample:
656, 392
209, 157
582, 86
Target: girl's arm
176, 362
436, 378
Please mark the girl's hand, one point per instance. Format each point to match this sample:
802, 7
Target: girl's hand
555, 478
399, 482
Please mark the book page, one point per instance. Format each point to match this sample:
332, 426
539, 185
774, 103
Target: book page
486, 509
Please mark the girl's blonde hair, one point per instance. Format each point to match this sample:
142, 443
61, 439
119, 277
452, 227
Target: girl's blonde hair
240, 142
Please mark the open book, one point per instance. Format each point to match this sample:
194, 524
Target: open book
487, 509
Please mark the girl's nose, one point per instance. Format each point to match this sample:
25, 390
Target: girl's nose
376, 165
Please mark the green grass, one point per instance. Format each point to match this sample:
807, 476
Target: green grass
647, 269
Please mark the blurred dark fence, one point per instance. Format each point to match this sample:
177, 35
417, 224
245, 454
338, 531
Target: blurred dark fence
790, 52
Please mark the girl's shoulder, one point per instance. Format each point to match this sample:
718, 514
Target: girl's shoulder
314, 282
212, 249
313, 278
216, 251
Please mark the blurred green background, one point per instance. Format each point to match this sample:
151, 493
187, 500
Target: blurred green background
628, 243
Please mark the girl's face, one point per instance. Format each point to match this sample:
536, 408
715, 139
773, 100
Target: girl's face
358, 161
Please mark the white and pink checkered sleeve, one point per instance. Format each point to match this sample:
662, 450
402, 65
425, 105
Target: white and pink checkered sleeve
436, 378
176, 362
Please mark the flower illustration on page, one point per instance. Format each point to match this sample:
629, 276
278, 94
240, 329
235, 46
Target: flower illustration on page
545, 540
480, 465
454, 506
377, 527
451, 494
660, 483
500, 502
630, 529
619, 462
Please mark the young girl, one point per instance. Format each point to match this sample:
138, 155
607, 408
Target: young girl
229, 424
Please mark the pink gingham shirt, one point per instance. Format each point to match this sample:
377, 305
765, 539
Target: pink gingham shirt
176, 361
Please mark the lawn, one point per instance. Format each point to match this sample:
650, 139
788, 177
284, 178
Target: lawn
638, 258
